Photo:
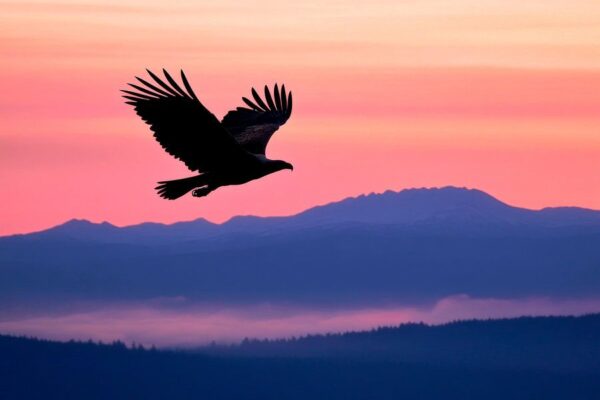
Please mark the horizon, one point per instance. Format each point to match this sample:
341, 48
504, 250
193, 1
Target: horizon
233, 217
201, 325
323, 334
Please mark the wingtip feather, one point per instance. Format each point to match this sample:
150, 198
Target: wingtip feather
289, 105
283, 99
259, 101
187, 85
174, 84
277, 98
251, 104
162, 83
269, 99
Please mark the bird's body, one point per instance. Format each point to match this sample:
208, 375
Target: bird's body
209, 181
230, 152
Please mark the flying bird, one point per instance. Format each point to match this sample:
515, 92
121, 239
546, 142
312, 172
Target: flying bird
229, 152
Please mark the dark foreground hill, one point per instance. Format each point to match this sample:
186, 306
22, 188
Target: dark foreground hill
410, 246
348, 366
560, 344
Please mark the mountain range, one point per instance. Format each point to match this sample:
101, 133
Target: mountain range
444, 207
413, 245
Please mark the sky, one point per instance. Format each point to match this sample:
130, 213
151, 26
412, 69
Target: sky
499, 95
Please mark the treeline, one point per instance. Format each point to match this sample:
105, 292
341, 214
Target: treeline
369, 365
551, 343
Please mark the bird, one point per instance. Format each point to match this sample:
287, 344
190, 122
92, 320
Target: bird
227, 152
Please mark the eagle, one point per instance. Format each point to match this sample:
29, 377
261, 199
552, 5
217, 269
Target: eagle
227, 152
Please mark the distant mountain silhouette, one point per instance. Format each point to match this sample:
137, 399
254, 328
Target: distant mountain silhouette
413, 245
444, 207
525, 358
85, 230
438, 205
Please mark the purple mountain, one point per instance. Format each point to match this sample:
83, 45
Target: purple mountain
448, 206
414, 245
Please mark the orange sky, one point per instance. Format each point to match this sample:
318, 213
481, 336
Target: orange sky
498, 95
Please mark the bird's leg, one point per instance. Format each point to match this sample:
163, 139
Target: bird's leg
203, 191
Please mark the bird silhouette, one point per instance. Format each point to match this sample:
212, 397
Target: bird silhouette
230, 152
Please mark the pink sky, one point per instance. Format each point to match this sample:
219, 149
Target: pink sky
493, 94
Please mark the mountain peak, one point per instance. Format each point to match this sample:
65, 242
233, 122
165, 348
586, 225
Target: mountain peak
445, 193
82, 227
76, 223
409, 206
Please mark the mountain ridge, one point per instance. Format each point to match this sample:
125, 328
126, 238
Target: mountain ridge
412, 246
448, 204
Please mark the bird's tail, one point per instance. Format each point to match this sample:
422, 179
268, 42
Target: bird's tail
176, 188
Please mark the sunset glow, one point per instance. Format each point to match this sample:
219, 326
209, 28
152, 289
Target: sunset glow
498, 95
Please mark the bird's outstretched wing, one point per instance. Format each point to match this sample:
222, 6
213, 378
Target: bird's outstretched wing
253, 127
183, 126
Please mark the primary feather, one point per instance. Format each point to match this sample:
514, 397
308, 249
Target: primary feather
253, 127
184, 127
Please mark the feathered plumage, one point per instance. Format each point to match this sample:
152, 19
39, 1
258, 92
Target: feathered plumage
225, 153
253, 127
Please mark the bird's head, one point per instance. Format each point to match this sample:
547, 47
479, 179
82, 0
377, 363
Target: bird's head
278, 165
